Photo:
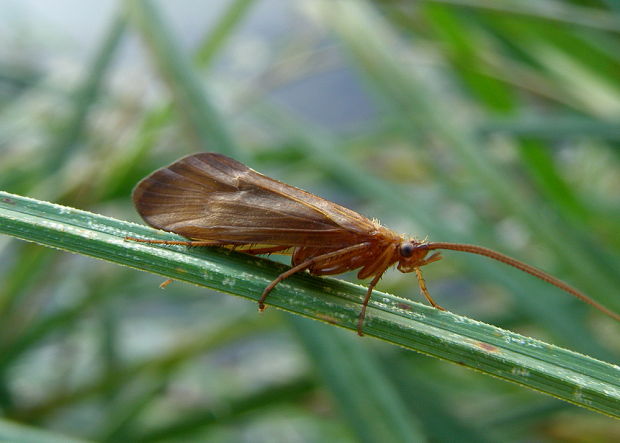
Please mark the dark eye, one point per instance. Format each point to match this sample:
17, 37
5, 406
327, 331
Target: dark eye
406, 249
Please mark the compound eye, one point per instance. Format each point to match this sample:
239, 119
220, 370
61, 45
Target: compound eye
406, 250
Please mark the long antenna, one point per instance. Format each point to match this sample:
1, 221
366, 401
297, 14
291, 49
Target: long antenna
480, 250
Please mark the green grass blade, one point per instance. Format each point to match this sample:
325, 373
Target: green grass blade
201, 119
166, 362
345, 365
572, 377
555, 11
237, 410
222, 32
553, 128
66, 141
17, 433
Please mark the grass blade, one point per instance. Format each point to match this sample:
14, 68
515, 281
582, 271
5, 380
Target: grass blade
17, 433
344, 365
572, 377
201, 118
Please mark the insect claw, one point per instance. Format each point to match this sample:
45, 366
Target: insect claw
360, 323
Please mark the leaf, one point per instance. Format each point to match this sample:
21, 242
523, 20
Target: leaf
572, 377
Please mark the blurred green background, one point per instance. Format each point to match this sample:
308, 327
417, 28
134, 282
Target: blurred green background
495, 123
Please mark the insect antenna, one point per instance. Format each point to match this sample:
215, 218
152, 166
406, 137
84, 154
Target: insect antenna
480, 250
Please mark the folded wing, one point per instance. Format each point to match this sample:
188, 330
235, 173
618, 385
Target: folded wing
210, 196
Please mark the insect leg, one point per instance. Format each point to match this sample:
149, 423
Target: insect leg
305, 265
165, 284
174, 242
371, 286
424, 291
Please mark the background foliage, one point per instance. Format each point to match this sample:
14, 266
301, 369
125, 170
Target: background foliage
486, 122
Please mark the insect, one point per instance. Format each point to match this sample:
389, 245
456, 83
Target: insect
214, 200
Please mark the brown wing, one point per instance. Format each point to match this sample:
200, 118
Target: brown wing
210, 196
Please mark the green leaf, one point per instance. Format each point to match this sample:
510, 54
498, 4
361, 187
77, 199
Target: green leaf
572, 377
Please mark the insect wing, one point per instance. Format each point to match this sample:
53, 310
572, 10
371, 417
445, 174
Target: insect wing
210, 196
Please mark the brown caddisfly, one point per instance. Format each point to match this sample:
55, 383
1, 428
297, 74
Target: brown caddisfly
214, 200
